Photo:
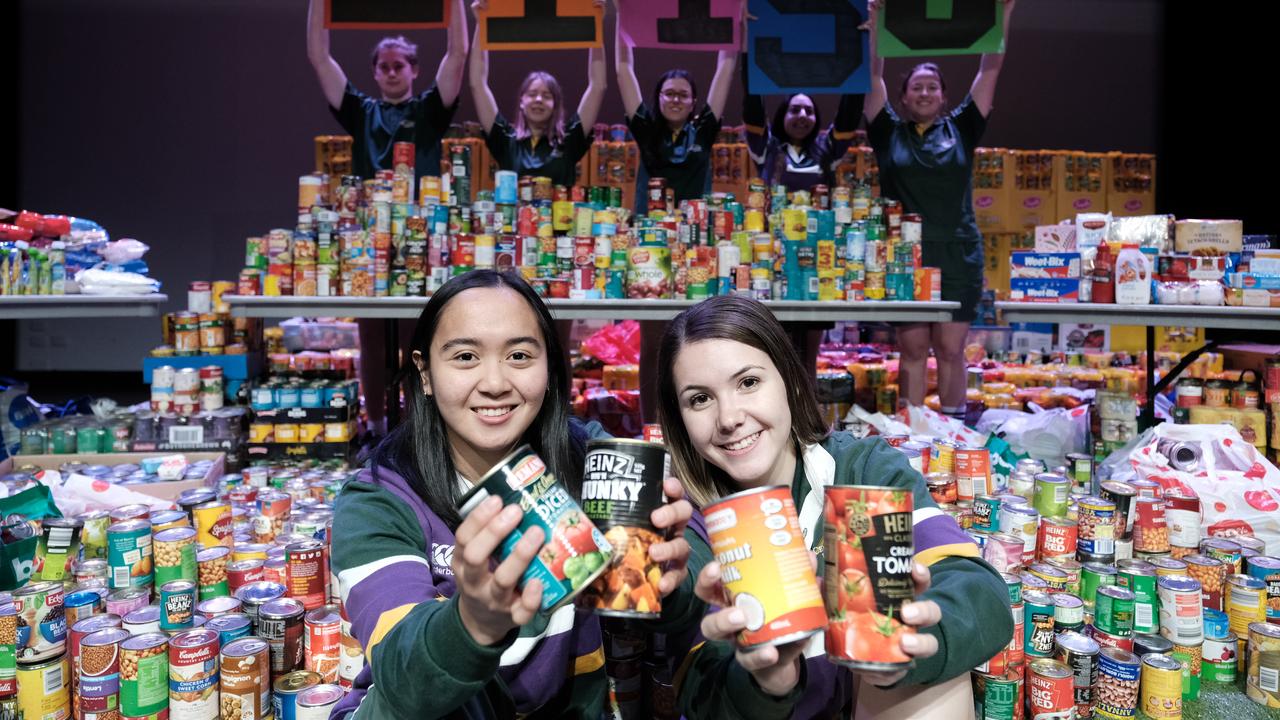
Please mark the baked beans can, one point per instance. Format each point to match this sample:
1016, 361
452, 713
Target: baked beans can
175, 554
1262, 679
1003, 552
1056, 539
1096, 530
1116, 694
1037, 613
1022, 522
972, 470
322, 642
1140, 577
306, 573
1049, 495
284, 696
122, 602
524, 478
98, 676
997, 696
211, 571
1267, 569
942, 486
243, 572
193, 675
942, 456
231, 626
1225, 550
280, 623
81, 604
42, 623
1113, 610
43, 690
213, 524
177, 605
868, 549
1219, 658
1246, 603
144, 674
986, 513
1080, 654
756, 537
1161, 686
316, 702
129, 553
1181, 614
1190, 657
1050, 689
245, 679
652, 432
621, 487
1068, 613
1122, 494
1150, 531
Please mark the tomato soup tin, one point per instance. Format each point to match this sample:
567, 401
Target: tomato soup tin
574, 554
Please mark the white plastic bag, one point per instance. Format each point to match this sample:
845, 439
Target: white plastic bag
1047, 435
927, 422
76, 494
105, 282
883, 424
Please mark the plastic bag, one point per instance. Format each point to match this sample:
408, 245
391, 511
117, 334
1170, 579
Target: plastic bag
616, 344
76, 494
17, 559
105, 282
936, 425
123, 250
17, 411
1239, 489
1047, 435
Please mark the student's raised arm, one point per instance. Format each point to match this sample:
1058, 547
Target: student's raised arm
333, 81
983, 90
486, 106
625, 69
597, 83
453, 65
878, 95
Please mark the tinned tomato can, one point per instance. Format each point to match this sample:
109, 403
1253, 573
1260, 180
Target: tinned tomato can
756, 538
868, 545
1050, 689
524, 479
621, 487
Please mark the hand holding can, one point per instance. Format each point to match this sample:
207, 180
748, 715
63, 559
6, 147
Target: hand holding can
489, 602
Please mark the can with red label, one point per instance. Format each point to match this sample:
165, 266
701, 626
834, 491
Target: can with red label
322, 642
652, 432
1050, 690
1150, 531
972, 470
243, 572
306, 573
1182, 518
193, 675
1056, 539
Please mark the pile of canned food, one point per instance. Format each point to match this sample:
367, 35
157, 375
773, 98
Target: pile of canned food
222, 608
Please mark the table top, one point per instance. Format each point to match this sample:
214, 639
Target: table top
1245, 318
411, 307
19, 307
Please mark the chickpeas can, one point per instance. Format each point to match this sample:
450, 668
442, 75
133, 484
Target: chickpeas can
144, 674
175, 554
1262, 681
1050, 690
41, 622
1116, 693
621, 487
129, 554
322, 642
193, 675
867, 552
1161, 686
43, 690
245, 679
211, 571
1189, 656
524, 478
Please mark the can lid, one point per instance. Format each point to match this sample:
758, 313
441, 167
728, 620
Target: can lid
177, 586
241, 647
1120, 655
143, 615
1067, 600
1077, 643
125, 526
324, 614
1267, 629
259, 592
212, 553
1054, 668
1161, 662
145, 641
193, 638
1116, 592
228, 622
320, 696
295, 681
284, 607
94, 623
106, 636
176, 534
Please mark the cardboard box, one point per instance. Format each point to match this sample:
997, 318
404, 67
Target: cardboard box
1032, 199
300, 451
168, 490
1253, 298
1044, 265
1208, 237
992, 181
1131, 184
1055, 238
1029, 337
1080, 182
1079, 337
1133, 339
1249, 356
1253, 281
1060, 290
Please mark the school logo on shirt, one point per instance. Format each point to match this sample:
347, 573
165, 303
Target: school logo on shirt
441, 559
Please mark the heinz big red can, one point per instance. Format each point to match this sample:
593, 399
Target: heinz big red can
867, 553
574, 553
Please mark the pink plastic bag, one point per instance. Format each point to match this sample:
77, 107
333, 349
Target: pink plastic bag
616, 344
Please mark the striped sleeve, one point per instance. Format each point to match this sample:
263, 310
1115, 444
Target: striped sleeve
423, 660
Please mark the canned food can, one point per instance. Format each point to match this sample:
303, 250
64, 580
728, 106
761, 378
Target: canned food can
193, 675
243, 572
942, 456
285, 691
621, 487
1003, 552
231, 626
1022, 522
79, 605
75, 635
1068, 613
1104, 639
1181, 614
1216, 623
523, 478
1050, 493
93, 533
306, 573
1267, 569
998, 696
245, 679
1262, 681
1140, 577
1113, 610
1225, 550
144, 675
756, 537
280, 623
129, 553
124, 601
43, 690
213, 524
1123, 495
98, 678
1056, 539
1116, 694
316, 702
1038, 613
867, 574
1055, 579
211, 571
942, 487
1150, 531
986, 513
41, 622
1190, 658
216, 607
972, 470
177, 605
145, 619
1246, 602
1168, 566
322, 642
1080, 655
1050, 690
352, 660
1219, 657
1182, 518
175, 554
1161, 686
57, 547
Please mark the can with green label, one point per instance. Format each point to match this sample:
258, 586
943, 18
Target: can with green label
1113, 610
144, 675
1093, 576
175, 554
997, 696
1219, 664
1140, 577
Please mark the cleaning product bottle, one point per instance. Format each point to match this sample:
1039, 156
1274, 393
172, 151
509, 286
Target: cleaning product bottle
1133, 277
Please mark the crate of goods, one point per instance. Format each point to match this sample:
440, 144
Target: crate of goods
731, 164
1032, 200
992, 180
1080, 182
1131, 185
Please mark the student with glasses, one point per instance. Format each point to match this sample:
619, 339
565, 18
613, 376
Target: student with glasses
675, 141
541, 143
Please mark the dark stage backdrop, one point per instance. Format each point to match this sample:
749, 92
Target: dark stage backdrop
186, 124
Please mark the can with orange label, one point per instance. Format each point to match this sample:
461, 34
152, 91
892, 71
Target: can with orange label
322, 642
756, 538
973, 472
868, 546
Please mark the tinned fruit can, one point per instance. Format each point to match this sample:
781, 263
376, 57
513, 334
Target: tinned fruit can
523, 478
129, 554
756, 537
868, 546
621, 487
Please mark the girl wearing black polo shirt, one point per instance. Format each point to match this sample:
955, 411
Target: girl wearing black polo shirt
540, 143
795, 150
676, 143
926, 162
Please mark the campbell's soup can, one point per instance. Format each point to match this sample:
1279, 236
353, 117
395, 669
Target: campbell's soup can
868, 545
1050, 689
621, 487
523, 478
322, 642
193, 675
756, 538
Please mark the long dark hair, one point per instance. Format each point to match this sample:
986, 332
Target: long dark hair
740, 319
779, 126
418, 449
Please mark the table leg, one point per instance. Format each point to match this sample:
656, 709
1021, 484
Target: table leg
392, 397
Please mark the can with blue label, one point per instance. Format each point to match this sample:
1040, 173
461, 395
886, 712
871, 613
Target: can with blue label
284, 699
42, 624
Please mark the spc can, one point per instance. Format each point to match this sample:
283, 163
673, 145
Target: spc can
145, 619
1150, 531
93, 534
254, 595
123, 602
1140, 577
1068, 613
1161, 686
129, 553
245, 682
1049, 495
1267, 569
998, 696
1246, 602
1096, 523
1190, 657
79, 605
